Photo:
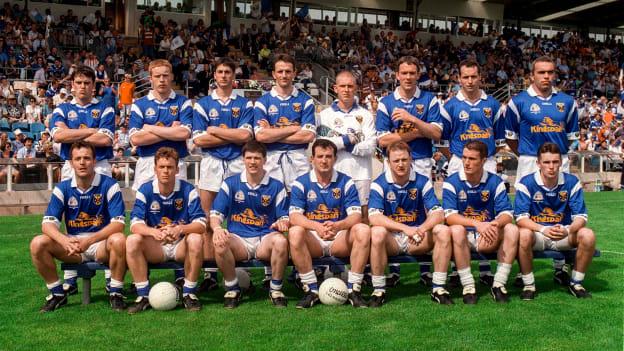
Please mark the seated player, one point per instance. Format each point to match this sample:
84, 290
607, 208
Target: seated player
407, 219
479, 213
167, 224
256, 208
326, 219
551, 214
93, 210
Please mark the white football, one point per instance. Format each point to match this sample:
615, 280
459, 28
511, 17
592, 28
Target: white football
244, 278
333, 291
163, 296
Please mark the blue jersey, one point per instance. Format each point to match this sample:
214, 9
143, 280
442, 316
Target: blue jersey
423, 105
148, 110
296, 109
464, 122
333, 202
559, 205
180, 207
209, 111
407, 204
533, 120
483, 202
97, 114
250, 211
86, 211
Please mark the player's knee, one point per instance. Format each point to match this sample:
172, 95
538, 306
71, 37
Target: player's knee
117, 243
134, 243
362, 233
526, 238
443, 235
458, 233
586, 237
194, 242
378, 236
511, 233
296, 236
39, 244
280, 245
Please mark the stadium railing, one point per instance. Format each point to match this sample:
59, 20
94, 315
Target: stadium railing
86, 271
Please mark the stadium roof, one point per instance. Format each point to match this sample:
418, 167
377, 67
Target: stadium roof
594, 13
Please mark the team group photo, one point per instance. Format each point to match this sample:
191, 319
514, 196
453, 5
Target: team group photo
243, 179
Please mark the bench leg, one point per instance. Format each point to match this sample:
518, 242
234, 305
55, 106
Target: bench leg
86, 291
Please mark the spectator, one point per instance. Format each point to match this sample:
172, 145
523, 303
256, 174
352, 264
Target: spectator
12, 111
6, 152
27, 151
126, 95
18, 143
33, 111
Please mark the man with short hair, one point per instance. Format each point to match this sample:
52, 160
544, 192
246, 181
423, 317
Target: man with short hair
325, 215
93, 210
256, 209
167, 225
407, 219
284, 121
551, 214
160, 119
479, 213
538, 115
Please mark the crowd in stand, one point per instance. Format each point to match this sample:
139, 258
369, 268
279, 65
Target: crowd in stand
30, 51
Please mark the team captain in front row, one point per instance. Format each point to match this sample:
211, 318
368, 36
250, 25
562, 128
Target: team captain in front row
551, 214
93, 210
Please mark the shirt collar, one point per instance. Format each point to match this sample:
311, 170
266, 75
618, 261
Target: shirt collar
540, 182
533, 93
397, 96
95, 182
484, 177
294, 93
335, 107
460, 96
264, 181
315, 180
152, 97
156, 189
390, 179
214, 95
74, 101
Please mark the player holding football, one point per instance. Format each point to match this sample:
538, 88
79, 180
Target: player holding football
413, 116
551, 214
256, 208
479, 213
407, 219
167, 225
222, 123
325, 215
93, 210
538, 115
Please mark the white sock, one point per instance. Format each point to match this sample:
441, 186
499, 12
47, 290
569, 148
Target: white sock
502, 274
466, 278
528, 279
107, 274
577, 277
70, 274
355, 281
439, 279
231, 283
379, 283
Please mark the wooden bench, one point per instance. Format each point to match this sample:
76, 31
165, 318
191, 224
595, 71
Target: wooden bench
87, 270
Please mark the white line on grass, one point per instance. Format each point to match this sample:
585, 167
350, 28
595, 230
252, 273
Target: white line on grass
613, 252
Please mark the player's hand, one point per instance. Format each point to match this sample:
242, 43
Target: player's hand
399, 114
176, 124
71, 245
353, 139
83, 244
173, 233
556, 232
281, 225
220, 237
160, 234
488, 231
417, 237
263, 123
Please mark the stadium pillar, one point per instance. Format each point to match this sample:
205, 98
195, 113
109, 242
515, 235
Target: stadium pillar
415, 6
207, 10
132, 28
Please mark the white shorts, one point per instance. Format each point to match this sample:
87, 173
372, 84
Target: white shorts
363, 189
528, 165
90, 253
101, 167
473, 242
251, 244
169, 250
421, 166
144, 171
403, 241
213, 171
544, 243
326, 245
287, 166
456, 164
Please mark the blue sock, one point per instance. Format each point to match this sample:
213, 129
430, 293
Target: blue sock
395, 268
367, 269
115, 287
484, 268
189, 288
314, 287
179, 273
57, 290
276, 284
143, 289
425, 267
73, 281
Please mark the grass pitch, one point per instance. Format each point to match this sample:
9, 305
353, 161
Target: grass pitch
554, 321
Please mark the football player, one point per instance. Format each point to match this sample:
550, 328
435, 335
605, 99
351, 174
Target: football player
256, 209
551, 214
325, 215
167, 224
92, 207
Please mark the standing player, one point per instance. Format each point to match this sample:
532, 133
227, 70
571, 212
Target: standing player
256, 208
93, 210
538, 115
89, 120
351, 128
472, 115
284, 121
167, 224
325, 214
407, 219
551, 215
162, 118
479, 213
413, 116
222, 122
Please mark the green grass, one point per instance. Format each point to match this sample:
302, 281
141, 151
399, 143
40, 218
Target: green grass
554, 321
